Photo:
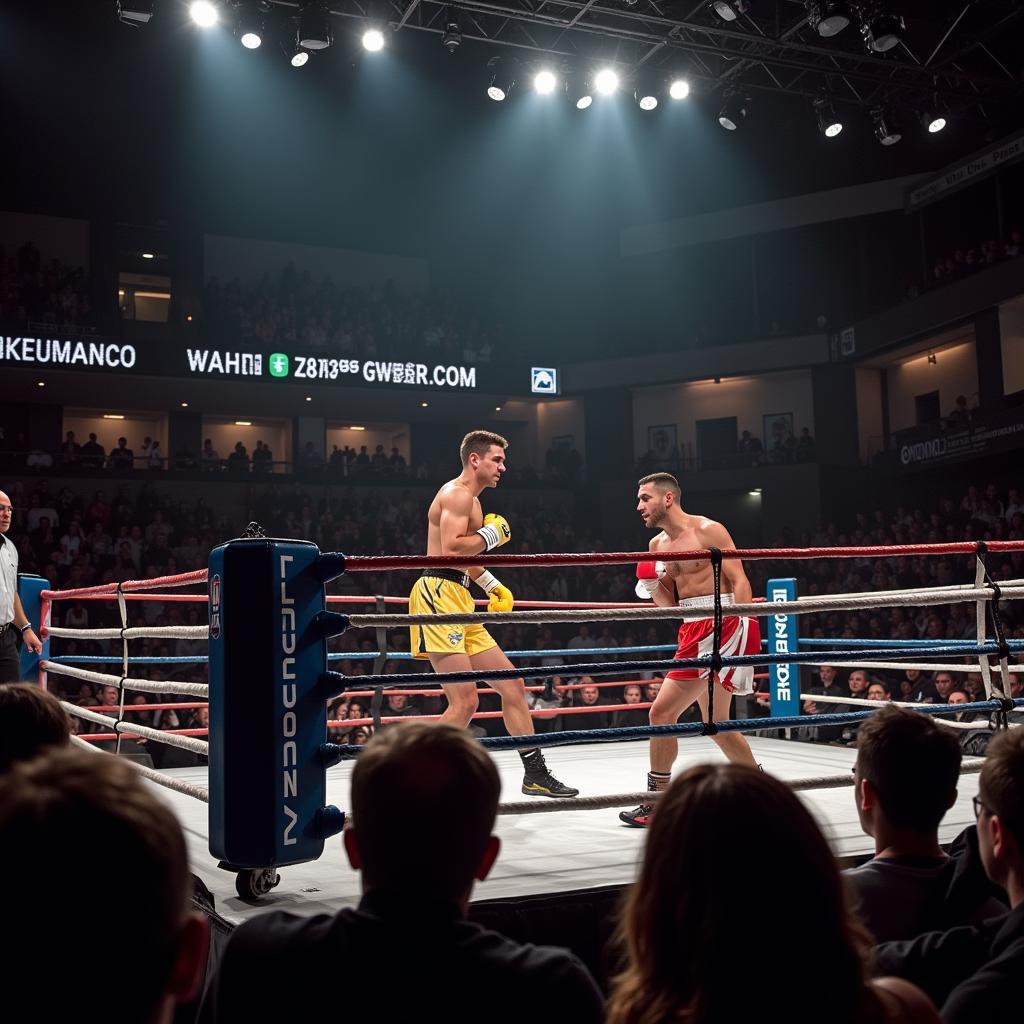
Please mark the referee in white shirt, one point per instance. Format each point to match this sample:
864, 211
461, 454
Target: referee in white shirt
13, 619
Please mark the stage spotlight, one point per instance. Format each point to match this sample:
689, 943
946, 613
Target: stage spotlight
886, 129
204, 13
733, 113
606, 81
373, 40
299, 57
882, 31
451, 38
933, 121
679, 89
645, 93
580, 91
314, 26
724, 10
828, 120
545, 81
249, 28
135, 12
502, 80
828, 17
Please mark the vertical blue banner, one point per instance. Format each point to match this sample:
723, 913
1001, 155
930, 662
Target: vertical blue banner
29, 589
781, 639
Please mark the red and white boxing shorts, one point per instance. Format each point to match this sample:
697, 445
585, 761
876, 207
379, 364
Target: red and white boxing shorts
696, 640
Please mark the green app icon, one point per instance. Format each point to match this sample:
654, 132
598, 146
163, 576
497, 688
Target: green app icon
278, 364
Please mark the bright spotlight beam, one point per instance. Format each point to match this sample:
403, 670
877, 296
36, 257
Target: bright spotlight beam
203, 13
544, 82
373, 40
606, 82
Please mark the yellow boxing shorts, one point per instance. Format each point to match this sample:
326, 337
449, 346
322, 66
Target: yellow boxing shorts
434, 593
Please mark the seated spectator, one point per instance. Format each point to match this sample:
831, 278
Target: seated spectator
76, 807
208, 457
398, 705
911, 886
827, 685
92, 453
686, 909
70, 450
973, 972
878, 691
587, 696
262, 458
396, 463
31, 722
417, 879
632, 694
155, 456
945, 682
238, 460
121, 458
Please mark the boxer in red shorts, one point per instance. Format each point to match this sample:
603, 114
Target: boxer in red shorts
690, 586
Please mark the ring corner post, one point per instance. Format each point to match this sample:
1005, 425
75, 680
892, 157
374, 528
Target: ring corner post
30, 590
268, 718
782, 639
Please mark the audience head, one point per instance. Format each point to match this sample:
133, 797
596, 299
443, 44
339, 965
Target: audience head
687, 915
424, 800
886, 789
72, 807
31, 721
1000, 807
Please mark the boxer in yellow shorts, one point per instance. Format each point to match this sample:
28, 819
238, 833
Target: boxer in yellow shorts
456, 526
445, 590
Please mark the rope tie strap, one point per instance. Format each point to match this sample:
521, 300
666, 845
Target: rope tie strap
716, 638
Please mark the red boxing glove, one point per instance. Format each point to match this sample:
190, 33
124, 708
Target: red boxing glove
648, 576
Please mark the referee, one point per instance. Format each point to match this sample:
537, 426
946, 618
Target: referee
12, 616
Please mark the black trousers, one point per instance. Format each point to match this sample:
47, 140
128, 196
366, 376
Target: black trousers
10, 662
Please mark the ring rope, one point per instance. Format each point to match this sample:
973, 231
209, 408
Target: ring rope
334, 752
801, 606
132, 633
598, 668
167, 781
190, 743
376, 563
921, 666
594, 803
129, 683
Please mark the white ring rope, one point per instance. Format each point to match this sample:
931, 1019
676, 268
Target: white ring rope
980, 723
127, 682
594, 803
191, 743
965, 593
169, 782
923, 666
133, 633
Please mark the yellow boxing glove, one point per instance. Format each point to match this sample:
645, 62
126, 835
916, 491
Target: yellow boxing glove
500, 597
495, 531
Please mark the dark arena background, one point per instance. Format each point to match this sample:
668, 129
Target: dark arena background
264, 264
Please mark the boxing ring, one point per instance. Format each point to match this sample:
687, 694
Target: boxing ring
549, 847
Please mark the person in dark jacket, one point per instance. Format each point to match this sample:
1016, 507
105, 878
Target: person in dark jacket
906, 776
424, 801
973, 972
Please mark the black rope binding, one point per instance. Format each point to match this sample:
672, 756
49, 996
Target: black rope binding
1002, 647
716, 639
